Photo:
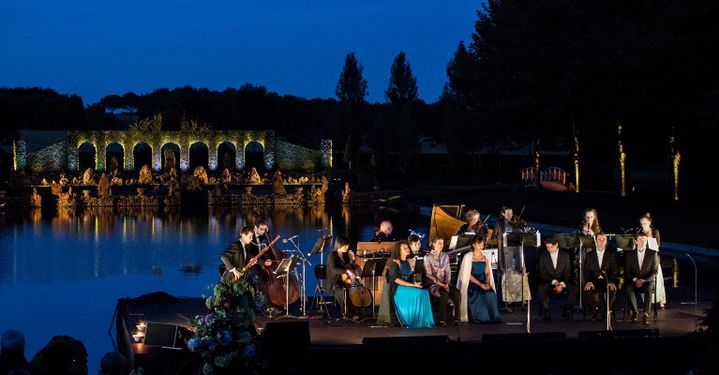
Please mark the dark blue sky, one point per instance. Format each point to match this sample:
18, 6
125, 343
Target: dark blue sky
95, 48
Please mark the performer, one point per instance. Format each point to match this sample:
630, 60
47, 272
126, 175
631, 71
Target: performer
416, 253
260, 239
590, 224
514, 287
384, 232
341, 262
411, 301
438, 275
646, 227
476, 285
235, 258
555, 274
600, 268
474, 224
264, 264
640, 271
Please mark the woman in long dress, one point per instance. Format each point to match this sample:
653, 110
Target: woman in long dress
647, 228
411, 302
476, 285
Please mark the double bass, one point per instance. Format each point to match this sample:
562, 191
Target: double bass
277, 293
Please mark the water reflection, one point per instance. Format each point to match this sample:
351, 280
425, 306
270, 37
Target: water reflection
48, 247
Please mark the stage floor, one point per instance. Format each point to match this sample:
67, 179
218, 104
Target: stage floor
675, 320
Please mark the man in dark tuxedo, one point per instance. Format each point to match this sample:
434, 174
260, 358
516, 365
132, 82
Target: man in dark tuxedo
600, 272
640, 271
236, 257
555, 273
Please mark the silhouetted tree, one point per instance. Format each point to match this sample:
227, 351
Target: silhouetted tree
402, 134
351, 90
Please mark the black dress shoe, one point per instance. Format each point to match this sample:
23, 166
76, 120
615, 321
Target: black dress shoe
645, 318
567, 314
546, 316
635, 317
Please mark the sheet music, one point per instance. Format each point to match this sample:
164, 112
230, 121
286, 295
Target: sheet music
453, 242
652, 244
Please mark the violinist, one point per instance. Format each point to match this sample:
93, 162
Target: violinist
236, 257
514, 287
341, 271
474, 224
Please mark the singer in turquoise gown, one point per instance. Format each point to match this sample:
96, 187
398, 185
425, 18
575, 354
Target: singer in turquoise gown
411, 303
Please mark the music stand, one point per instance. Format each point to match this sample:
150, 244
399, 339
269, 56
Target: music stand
283, 270
626, 242
321, 246
585, 242
521, 239
373, 267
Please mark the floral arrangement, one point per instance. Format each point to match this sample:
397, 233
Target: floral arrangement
223, 335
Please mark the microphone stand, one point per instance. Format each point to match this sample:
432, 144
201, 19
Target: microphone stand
303, 290
607, 297
696, 279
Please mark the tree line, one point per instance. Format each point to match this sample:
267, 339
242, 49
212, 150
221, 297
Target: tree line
536, 73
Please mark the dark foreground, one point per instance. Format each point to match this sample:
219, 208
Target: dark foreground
319, 345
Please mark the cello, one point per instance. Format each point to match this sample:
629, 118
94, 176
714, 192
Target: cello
277, 294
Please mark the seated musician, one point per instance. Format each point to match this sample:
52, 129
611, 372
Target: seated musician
600, 268
640, 270
416, 253
411, 302
264, 264
384, 232
437, 277
259, 240
476, 284
555, 275
474, 224
590, 224
342, 271
235, 258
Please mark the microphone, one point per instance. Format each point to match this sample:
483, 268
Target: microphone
290, 239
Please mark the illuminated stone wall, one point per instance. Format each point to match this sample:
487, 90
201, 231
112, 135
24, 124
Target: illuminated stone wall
150, 131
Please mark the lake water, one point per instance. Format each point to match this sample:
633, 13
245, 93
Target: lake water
61, 274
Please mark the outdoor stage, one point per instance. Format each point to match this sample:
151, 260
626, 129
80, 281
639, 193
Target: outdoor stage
301, 345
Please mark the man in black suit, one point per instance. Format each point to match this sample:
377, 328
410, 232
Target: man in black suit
600, 273
640, 271
555, 273
236, 257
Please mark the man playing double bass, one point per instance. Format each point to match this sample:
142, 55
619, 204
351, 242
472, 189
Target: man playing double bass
236, 257
263, 273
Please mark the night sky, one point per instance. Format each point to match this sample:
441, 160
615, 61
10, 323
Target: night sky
95, 48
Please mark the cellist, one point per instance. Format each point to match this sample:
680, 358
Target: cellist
342, 269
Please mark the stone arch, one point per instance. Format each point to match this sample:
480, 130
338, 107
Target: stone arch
226, 155
87, 156
199, 156
142, 155
254, 155
117, 151
170, 148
